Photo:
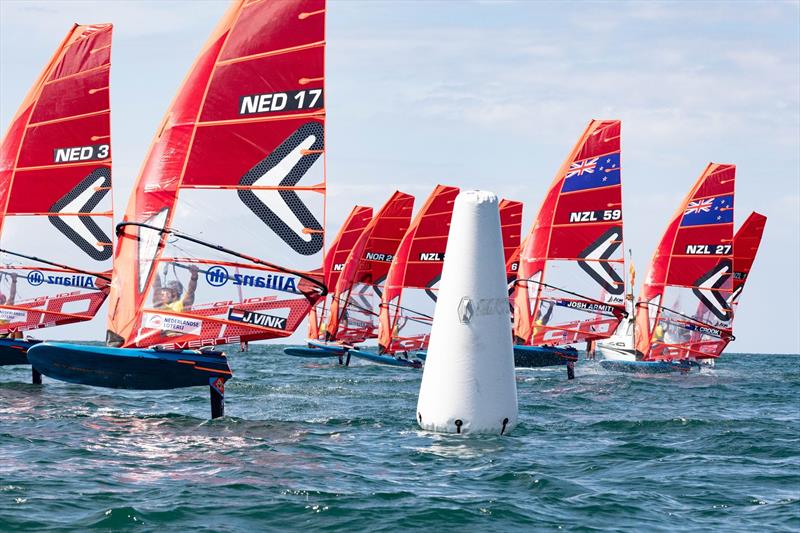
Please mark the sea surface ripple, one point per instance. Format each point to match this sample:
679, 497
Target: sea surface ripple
311, 445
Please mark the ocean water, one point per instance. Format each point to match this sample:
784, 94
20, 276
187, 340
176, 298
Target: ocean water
314, 446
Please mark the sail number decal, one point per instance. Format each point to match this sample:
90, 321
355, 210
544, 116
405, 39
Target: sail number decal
81, 153
255, 104
431, 256
708, 249
375, 256
595, 216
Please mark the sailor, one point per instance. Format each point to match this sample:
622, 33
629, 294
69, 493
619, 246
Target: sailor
658, 333
12, 295
545, 312
171, 296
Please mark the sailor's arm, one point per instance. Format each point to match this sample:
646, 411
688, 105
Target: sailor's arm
188, 297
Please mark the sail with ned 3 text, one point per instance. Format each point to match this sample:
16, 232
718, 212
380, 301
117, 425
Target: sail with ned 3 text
55, 195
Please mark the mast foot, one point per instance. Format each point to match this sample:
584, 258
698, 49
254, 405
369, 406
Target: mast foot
36, 377
217, 392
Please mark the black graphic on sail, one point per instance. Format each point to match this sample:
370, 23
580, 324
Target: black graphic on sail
82, 200
597, 253
285, 167
708, 288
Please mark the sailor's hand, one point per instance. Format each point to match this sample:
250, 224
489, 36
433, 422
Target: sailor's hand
194, 269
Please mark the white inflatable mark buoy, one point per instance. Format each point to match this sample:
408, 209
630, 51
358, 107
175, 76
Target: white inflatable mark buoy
468, 384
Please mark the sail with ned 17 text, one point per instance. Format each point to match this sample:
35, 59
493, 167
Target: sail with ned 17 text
334, 263
683, 310
222, 240
412, 282
354, 306
570, 285
55, 190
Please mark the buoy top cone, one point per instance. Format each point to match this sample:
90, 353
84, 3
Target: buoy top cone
468, 383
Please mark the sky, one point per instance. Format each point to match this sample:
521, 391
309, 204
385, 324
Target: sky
493, 95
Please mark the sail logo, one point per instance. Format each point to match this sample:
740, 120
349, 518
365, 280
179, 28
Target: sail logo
596, 264
595, 216
217, 276
177, 324
375, 256
83, 231
708, 288
257, 319
270, 281
268, 190
431, 256
256, 104
36, 278
81, 153
9, 316
338, 267
708, 249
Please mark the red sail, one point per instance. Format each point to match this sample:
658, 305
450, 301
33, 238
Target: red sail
406, 315
223, 236
571, 270
745, 247
683, 308
334, 264
511, 226
354, 303
55, 190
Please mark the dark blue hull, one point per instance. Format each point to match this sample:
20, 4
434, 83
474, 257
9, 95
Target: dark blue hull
317, 349
541, 356
128, 368
14, 351
386, 359
650, 367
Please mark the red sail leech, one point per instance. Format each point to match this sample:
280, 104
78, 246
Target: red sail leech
55, 190
571, 286
245, 137
745, 247
511, 226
